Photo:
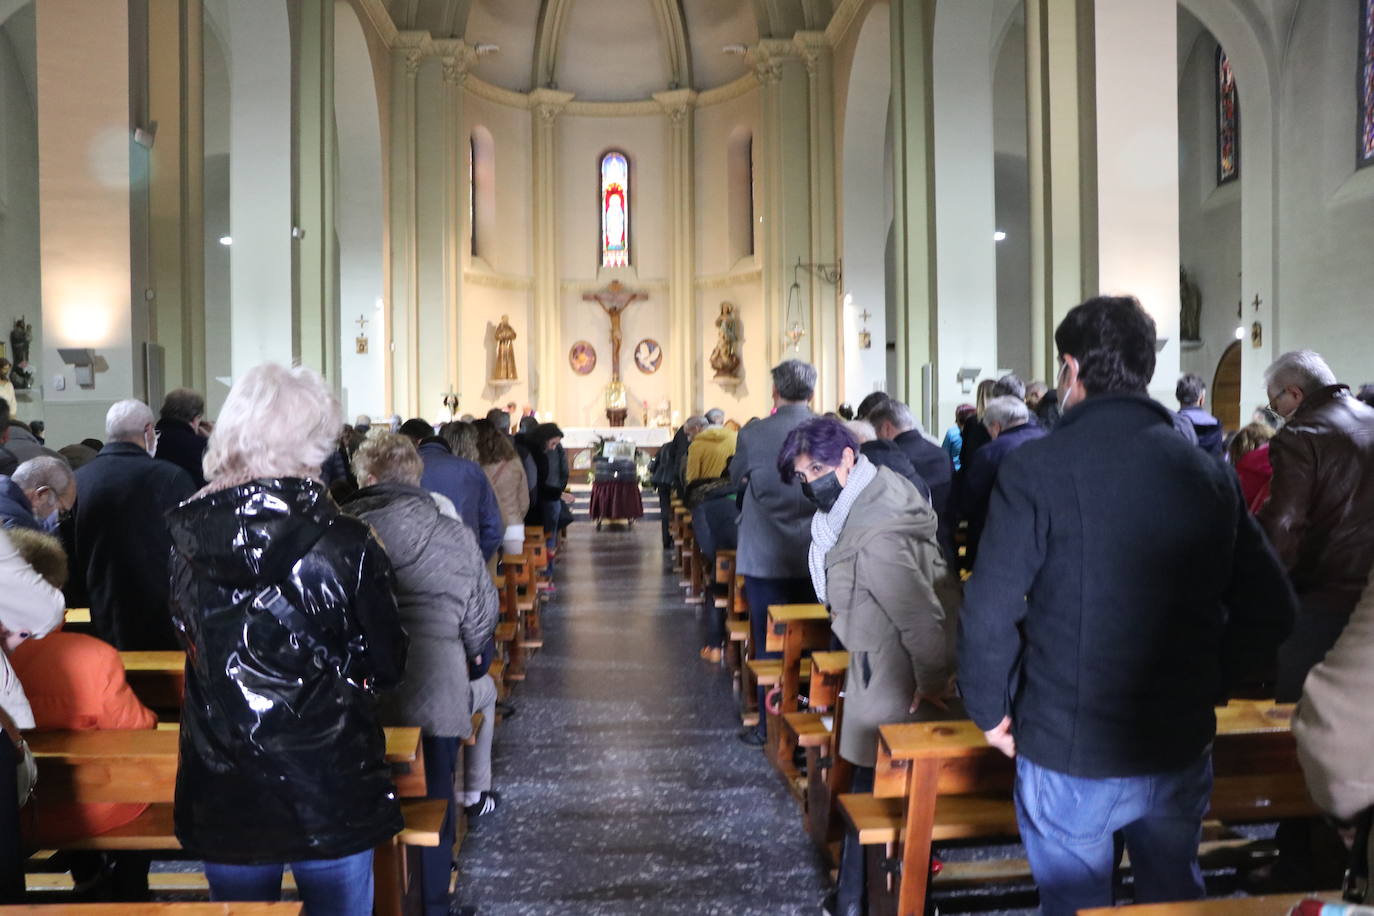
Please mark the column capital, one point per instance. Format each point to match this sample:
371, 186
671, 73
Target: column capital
813, 48
411, 48
767, 57
676, 103
457, 58
547, 104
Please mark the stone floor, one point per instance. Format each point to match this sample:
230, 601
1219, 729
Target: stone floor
623, 787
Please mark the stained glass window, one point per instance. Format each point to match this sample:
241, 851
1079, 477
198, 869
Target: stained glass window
615, 210
1365, 96
1228, 121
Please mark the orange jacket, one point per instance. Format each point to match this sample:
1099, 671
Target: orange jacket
75, 681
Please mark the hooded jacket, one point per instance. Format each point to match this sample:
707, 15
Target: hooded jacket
447, 602
282, 753
710, 452
15, 509
894, 606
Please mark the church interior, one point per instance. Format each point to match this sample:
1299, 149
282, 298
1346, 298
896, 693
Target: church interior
616, 215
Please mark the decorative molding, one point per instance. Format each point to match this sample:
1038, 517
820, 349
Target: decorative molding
376, 13
729, 92
845, 16
676, 104
768, 57
411, 47
547, 34
812, 47
592, 286
615, 109
498, 280
457, 58
671, 23
547, 104
721, 281
493, 93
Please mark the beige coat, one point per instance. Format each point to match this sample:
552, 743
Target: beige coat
512, 489
894, 605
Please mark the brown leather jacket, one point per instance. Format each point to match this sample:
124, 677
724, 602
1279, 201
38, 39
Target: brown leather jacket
1320, 514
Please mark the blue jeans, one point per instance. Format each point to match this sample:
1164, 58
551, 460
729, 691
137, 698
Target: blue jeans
1068, 822
762, 594
327, 887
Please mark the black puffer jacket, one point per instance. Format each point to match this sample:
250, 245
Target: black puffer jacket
282, 756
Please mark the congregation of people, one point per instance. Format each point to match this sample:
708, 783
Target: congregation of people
1083, 572
324, 585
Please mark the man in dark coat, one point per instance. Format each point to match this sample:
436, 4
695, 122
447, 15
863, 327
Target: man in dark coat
38, 496
663, 473
463, 482
1008, 422
893, 420
1121, 586
121, 540
1191, 392
178, 433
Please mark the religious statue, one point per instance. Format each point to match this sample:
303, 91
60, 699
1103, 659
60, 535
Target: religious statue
614, 299
504, 370
7, 387
20, 338
1190, 310
725, 357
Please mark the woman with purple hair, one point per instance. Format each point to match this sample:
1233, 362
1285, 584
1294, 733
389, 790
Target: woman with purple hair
876, 564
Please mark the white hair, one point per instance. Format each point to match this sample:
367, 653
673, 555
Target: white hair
862, 430
1006, 411
276, 422
1303, 369
695, 424
43, 471
126, 420
715, 416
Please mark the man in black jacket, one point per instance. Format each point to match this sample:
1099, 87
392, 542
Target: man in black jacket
122, 544
1120, 587
179, 439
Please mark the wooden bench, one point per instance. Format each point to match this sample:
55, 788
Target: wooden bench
816, 732
158, 679
284, 908
1276, 905
942, 781
794, 630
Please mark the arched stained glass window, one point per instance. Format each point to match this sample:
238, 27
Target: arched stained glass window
1365, 96
615, 210
1228, 121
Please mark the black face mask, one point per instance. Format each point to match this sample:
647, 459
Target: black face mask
823, 492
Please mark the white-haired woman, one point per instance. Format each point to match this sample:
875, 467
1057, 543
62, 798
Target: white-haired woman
449, 607
287, 611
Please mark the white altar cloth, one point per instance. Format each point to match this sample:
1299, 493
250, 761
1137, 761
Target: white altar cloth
641, 436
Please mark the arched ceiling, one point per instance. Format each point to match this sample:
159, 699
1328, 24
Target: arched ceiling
610, 50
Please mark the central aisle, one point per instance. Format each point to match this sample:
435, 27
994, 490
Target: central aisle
623, 787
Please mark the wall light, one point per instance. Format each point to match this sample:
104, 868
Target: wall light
966, 376
1240, 332
226, 240
84, 361
999, 236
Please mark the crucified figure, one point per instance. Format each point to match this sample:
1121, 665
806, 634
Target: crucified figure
614, 299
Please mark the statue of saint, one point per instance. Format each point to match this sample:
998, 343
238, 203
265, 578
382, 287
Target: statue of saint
725, 357
20, 338
1190, 306
7, 388
504, 370
614, 299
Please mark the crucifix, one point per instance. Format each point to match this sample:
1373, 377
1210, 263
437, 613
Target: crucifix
614, 299
361, 340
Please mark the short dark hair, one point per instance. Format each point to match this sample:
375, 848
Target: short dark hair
182, 404
1113, 339
824, 439
794, 380
416, 429
869, 402
1189, 389
1009, 384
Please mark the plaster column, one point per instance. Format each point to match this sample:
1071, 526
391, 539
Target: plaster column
786, 197
913, 180
315, 340
83, 199
545, 105
827, 326
402, 326
684, 342
177, 189
457, 61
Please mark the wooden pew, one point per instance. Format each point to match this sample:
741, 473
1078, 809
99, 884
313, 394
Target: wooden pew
158, 679
817, 732
941, 781
284, 908
794, 630
1275, 905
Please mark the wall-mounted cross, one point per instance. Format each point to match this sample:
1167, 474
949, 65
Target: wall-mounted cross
362, 324
865, 315
1258, 302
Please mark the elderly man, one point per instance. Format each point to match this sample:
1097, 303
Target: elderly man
892, 420
711, 448
179, 438
121, 543
1121, 585
1191, 392
1320, 514
775, 518
1007, 419
41, 491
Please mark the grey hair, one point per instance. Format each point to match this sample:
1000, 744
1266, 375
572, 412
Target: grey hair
43, 471
1009, 384
1303, 369
388, 458
794, 380
862, 430
715, 416
896, 413
1006, 411
695, 424
276, 422
126, 421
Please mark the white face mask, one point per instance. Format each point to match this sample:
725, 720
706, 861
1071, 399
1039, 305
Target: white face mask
1068, 374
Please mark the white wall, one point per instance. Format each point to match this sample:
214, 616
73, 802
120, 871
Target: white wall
1012, 183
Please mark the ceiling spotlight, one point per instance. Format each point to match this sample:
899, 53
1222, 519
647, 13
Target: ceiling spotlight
485, 48
999, 236
736, 49
226, 240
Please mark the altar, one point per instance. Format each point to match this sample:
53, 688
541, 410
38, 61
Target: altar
645, 437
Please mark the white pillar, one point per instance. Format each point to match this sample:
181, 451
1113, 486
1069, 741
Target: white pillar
826, 320
545, 106
402, 331
684, 342
83, 200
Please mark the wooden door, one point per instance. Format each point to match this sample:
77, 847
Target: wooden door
1225, 394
